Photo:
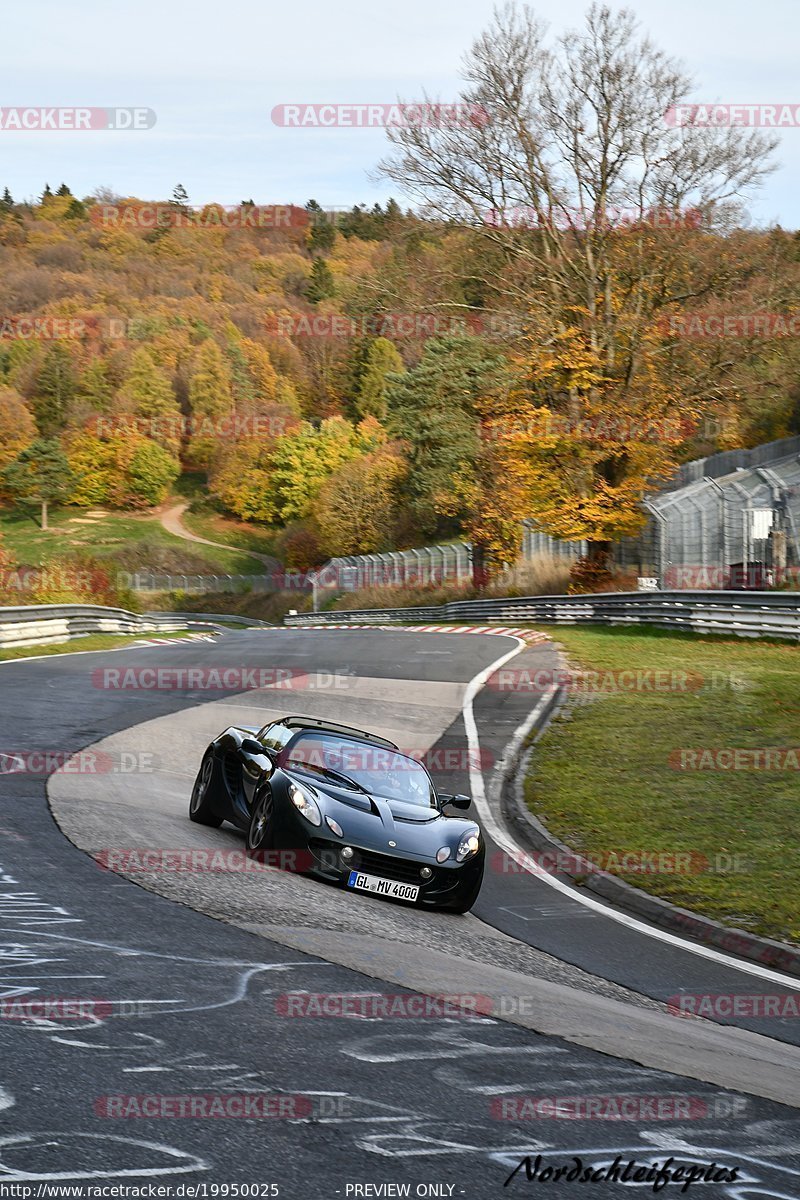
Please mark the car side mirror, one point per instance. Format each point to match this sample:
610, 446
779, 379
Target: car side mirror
458, 801
251, 746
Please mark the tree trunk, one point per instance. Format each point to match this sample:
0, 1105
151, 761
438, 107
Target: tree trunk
599, 552
480, 575
44, 515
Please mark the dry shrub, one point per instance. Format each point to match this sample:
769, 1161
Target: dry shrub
600, 575
411, 596
542, 575
261, 606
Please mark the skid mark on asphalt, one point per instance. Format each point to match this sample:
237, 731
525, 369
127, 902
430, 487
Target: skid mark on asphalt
26, 964
58, 1155
506, 1068
477, 1060
401, 1047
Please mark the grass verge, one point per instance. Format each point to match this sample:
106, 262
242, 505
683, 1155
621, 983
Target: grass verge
619, 775
92, 641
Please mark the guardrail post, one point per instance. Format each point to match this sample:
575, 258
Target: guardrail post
416, 555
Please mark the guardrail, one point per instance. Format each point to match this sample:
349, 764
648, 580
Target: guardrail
48, 624
220, 619
746, 614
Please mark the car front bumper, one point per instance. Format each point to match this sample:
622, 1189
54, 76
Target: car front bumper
447, 884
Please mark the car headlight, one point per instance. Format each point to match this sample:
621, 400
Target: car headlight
334, 825
469, 845
305, 803
443, 854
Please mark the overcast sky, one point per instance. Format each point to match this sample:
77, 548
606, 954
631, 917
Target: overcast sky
213, 72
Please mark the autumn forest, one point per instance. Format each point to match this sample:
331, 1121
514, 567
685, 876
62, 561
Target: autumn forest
535, 332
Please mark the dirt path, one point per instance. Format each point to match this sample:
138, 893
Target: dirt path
171, 520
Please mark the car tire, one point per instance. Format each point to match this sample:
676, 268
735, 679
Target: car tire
201, 810
260, 831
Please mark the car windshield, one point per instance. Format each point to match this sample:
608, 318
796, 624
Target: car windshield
372, 768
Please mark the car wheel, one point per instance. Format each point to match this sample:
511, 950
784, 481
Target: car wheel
200, 808
260, 830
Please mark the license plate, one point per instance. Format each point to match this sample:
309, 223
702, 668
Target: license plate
383, 887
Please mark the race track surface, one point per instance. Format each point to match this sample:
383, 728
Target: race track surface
187, 1005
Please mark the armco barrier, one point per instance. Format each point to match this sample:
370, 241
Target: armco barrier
220, 619
48, 624
745, 614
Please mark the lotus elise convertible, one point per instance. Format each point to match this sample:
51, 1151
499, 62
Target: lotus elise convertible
344, 806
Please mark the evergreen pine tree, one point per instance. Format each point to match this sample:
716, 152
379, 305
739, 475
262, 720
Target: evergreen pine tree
210, 399
94, 387
147, 393
54, 391
382, 359
320, 285
39, 473
322, 233
433, 409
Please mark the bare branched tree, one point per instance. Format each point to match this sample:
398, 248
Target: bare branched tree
574, 142
596, 217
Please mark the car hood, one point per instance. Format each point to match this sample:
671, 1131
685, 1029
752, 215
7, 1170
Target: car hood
376, 823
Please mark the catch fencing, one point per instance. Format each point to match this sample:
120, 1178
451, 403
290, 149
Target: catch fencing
200, 585
450, 562
731, 520
737, 529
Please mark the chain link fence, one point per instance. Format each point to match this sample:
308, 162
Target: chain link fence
731, 520
200, 585
734, 524
450, 562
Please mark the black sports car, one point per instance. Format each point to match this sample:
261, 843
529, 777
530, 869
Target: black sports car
342, 805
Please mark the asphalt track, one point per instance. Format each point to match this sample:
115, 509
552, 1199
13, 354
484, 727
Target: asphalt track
192, 1004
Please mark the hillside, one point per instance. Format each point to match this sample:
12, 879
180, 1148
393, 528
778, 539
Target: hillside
351, 382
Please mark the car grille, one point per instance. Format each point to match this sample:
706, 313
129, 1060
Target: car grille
326, 855
386, 866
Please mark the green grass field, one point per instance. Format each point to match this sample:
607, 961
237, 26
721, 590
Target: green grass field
217, 528
133, 541
203, 518
92, 641
612, 778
